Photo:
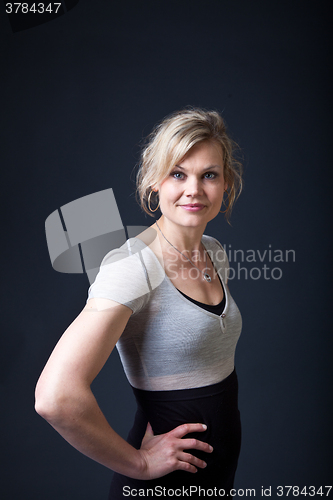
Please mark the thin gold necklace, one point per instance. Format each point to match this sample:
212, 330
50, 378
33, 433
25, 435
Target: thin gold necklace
206, 276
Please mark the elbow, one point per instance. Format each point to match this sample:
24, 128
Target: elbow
59, 402
49, 404
43, 408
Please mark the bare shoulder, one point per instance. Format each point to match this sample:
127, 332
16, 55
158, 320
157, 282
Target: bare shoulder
148, 236
151, 238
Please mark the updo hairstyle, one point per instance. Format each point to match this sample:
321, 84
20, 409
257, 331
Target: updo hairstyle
172, 139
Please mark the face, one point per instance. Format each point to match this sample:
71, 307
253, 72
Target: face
192, 193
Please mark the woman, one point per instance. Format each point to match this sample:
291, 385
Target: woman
163, 298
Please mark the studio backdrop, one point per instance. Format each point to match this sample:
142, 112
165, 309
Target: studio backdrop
81, 88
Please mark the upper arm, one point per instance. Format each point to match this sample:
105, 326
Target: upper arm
85, 346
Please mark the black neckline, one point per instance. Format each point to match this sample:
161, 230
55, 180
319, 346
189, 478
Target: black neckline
215, 309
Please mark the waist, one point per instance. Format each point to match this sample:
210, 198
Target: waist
187, 394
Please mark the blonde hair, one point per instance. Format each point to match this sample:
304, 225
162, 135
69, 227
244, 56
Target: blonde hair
172, 139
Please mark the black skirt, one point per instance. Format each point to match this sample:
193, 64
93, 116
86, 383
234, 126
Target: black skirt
217, 407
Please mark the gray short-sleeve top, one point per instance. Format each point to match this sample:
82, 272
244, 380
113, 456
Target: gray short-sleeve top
169, 342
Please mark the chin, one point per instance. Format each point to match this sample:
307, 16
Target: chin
193, 221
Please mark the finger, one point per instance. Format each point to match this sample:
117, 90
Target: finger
195, 444
191, 459
148, 434
184, 429
186, 466
149, 430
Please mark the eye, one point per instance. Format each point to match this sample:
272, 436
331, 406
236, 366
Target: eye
177, 175
210, 175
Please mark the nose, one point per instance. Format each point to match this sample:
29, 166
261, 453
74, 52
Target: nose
193, 187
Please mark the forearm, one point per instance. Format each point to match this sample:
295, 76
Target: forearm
81, 422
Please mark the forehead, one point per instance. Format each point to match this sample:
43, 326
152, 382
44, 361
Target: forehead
203, 154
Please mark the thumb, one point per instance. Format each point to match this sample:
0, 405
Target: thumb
148, 434
149, 431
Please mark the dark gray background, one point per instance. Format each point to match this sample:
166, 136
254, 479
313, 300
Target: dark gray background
78, 95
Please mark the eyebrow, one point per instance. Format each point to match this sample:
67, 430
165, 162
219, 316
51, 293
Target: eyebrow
204, 170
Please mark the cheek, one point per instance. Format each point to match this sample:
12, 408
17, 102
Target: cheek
164, 196
168, 192
217, 193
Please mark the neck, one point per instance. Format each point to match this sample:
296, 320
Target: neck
184, 238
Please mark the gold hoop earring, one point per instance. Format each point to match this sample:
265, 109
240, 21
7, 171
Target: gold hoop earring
148, 202
224, 211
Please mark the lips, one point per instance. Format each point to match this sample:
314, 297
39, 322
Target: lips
193, 207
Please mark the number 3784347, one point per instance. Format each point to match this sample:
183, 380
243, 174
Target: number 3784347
35, 8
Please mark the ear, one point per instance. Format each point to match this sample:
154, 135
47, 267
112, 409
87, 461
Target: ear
225, 186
